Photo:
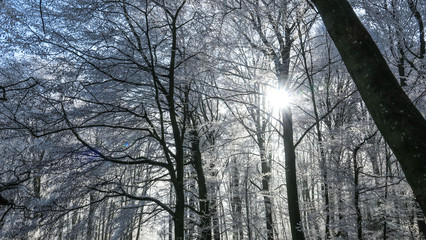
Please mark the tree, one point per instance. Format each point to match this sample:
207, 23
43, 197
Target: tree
123, 118
273, 24
131, 74
399, 121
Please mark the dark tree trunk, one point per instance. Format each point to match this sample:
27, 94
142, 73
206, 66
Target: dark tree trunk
419, 19
387, 173
177, 179
178, 135
401, 66
281, 59
206, 233
289, 151
401, 124
179, 217
291, 180
356, 195
171, 199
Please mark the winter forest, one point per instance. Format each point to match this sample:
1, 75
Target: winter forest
212, 119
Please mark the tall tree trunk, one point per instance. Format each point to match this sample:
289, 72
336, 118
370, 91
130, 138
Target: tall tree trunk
246, 195
171, 199
236, 203
206, 233
356, 195
281, 59
291, 179
179, 216
265, 161
387, 173
178, 133
266, 176
282, 70
214, 210
90, 218
401, 124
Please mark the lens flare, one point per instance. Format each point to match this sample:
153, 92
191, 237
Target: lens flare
279, 98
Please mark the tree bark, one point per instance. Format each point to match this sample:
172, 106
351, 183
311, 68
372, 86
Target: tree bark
236, 202
289, 149
356, 195
291, 179
90, 218
214, 210
246, 195
401, 124
265, 160
179, 217
266, 176
281, 59
419, 19
178, 134
206, 233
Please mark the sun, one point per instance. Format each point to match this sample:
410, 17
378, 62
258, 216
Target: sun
279, 98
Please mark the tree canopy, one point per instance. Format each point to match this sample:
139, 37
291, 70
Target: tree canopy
257, 119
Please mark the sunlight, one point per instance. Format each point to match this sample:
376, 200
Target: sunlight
279, 98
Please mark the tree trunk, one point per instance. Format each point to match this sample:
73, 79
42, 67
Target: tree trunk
266, 172
178, 184
179, 217
236, 202
178, 137
265, 161
281, 59
401, 124
206, 233
387, 172
291, 180
90, 218
170, 233
214, 210
419, 19
246, 195
356, 195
